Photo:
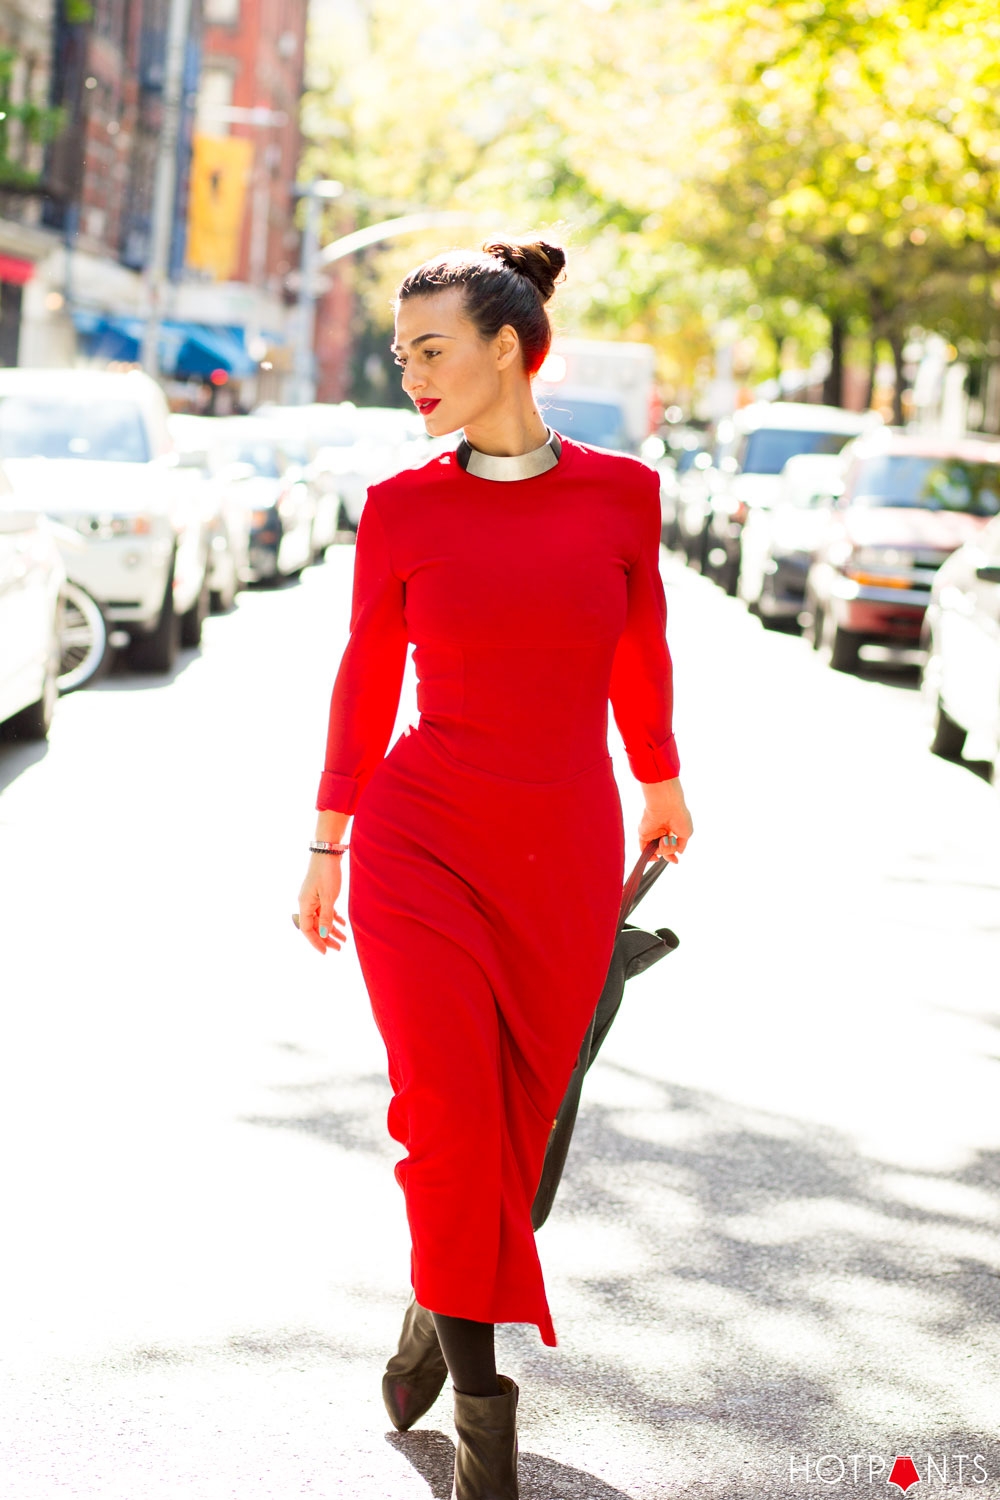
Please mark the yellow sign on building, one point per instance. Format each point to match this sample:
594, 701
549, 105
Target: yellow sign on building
220, 174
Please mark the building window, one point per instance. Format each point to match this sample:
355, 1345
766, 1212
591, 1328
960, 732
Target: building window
215, 95
222, 12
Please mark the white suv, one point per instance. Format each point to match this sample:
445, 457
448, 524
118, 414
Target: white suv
92, 449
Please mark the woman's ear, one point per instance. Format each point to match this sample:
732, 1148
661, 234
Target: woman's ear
508, 346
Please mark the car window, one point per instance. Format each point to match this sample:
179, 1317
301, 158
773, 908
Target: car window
597, 422
50, 427
686, 459
921, 483
264, 458
769, 448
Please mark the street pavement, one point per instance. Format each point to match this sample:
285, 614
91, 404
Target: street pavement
777, 1237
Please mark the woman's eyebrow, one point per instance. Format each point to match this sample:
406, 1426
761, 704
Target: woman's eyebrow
422, 339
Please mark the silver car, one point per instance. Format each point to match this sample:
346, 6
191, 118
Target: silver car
31, 576
961, 676
93, 450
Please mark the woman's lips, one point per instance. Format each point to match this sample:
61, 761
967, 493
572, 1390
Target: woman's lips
426, 407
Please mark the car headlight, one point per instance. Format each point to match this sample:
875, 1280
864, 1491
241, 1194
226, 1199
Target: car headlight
881, 567
882, 560
104, 524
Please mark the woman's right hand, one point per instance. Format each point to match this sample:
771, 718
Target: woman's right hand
317, 903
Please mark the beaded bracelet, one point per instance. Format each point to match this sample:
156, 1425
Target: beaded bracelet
320, 846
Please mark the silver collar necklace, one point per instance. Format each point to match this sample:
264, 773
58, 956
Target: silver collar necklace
508, 466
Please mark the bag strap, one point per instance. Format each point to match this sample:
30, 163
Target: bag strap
631, 891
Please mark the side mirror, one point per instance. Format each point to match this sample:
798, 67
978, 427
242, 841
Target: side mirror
989, 573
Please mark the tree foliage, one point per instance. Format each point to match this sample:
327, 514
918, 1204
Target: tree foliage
701, 157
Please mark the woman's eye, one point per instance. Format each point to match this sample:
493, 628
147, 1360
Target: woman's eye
400, 363
432, 353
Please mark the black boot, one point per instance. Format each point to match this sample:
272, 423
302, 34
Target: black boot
416, 1373
486, 1457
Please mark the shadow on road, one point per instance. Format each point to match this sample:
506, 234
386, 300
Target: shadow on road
433, 1456
18, 756
795, 1294
121, 677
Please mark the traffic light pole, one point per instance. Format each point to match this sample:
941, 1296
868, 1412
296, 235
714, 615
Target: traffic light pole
164, 182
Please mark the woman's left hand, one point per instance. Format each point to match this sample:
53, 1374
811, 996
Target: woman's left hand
665, 818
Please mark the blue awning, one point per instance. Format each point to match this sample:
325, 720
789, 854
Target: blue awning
185, 349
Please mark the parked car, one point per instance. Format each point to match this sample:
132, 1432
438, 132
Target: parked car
778, 542
590, 415
268, 471
961, 675
201, 463
93, 450
672, 469
372, 443
31, 578
908, 503
751, 449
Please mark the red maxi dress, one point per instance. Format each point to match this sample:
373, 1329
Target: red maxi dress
487, 852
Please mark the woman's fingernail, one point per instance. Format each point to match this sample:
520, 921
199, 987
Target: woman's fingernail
323, 932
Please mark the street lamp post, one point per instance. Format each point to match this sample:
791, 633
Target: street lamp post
165, 182
316, 193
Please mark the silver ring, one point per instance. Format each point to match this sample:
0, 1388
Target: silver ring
671, 838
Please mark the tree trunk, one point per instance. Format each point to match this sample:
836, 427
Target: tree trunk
896, 344
833, 385
872, 367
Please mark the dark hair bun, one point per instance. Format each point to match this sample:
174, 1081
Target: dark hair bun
542, 264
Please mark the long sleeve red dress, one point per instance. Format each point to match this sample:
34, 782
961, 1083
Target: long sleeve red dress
487, 851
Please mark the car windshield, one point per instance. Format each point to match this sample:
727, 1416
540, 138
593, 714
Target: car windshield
60, 427
686, 459
597, 422
917, 482
769, 448
264, 458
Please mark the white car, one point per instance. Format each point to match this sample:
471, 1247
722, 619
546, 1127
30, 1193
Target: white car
31, 577
751, 449
961, 677
93, 450
778, 541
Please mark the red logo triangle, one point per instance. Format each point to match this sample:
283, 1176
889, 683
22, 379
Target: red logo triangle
904, 1473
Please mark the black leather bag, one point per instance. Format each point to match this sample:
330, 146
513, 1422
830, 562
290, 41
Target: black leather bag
634, 951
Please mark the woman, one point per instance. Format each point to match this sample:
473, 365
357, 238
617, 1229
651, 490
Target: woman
488, 849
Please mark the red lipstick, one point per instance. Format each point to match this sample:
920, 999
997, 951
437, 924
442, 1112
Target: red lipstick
426, 407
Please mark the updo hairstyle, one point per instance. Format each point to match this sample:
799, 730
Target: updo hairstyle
508, 282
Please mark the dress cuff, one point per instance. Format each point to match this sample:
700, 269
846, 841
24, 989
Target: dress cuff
655, 762
337, 793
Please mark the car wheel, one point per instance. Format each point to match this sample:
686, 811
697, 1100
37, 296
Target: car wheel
195, 617
949, 737
35, 721
844, 646
813, 628
730, 575
222, 600
157, 651
83, 639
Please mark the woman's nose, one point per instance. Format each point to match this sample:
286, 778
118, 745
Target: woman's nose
410, 381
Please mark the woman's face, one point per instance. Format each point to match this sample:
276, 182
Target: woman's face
452, 375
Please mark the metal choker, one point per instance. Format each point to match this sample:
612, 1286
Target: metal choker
508, 466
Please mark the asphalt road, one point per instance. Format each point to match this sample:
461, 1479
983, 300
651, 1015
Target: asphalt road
777, 1239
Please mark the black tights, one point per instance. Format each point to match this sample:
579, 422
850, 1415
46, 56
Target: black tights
468, 1351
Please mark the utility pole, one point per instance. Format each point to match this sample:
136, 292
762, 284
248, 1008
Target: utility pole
165, 181
316, 193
